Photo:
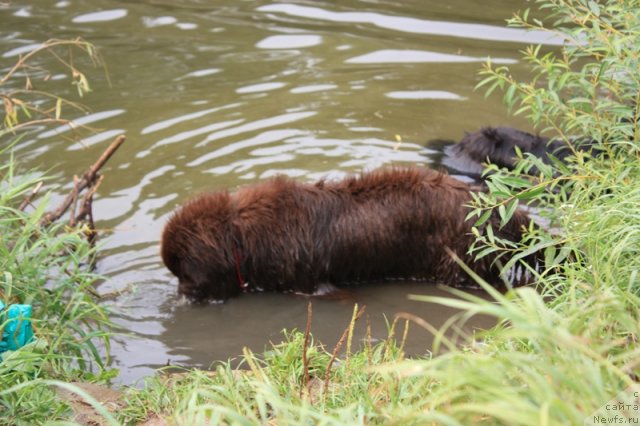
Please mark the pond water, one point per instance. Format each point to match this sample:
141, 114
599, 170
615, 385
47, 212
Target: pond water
214, 95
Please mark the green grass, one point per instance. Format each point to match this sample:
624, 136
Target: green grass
275, 388
47, 267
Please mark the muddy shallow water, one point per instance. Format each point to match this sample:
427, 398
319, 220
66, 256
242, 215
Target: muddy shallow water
216, 96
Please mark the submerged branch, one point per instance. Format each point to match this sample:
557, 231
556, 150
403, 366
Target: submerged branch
28, 198
90, 179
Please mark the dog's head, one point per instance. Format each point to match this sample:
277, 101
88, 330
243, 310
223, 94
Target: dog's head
198, 247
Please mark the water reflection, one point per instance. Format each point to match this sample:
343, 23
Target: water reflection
201, 73
161, 125
80, 121
96, 138
313, 88
11, 53
102, 16
425, 94
232, 325
289, 41
261, 87
391, 56
158, 21
417, 26
196, 132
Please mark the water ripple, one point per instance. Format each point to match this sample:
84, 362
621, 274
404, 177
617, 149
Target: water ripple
95, 139
261, 87
418, 26
81, 121
261, 139
425, 94
289, 41
407, 56
255, 125
160, 125
21, 50
313, 88
101, 16
197, 131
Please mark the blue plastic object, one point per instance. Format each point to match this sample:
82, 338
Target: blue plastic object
17, 331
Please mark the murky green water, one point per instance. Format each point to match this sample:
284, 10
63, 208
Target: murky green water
218, 94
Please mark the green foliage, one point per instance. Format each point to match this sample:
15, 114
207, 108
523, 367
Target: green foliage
46, 266
567, 349
25, 106
585, 94
590, 86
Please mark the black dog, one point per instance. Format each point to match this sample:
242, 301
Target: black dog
497, 145
281, 235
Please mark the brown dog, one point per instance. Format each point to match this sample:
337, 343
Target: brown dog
281, 235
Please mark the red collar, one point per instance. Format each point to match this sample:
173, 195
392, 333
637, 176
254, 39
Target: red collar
244, 285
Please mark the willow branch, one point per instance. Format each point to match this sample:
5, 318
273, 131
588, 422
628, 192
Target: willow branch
46, 45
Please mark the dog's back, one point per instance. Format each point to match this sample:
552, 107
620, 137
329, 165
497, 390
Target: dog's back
282, 235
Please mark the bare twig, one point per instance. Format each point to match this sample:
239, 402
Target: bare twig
305, 361
88, 179
104, 157
113, 295
368, 339
87, 212
28, 198
74, 201
346, 332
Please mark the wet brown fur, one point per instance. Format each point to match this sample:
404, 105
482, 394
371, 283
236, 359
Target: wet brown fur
282, 235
